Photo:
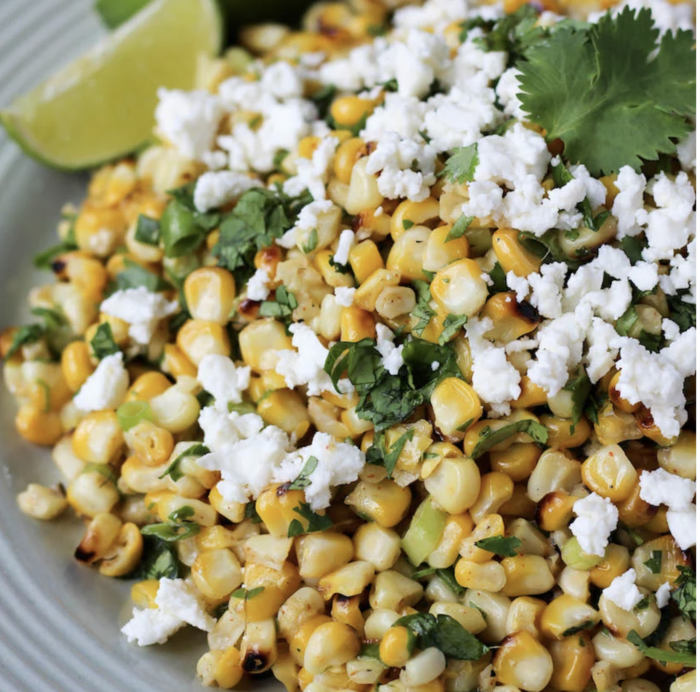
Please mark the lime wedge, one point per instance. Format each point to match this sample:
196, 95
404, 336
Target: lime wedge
101, 106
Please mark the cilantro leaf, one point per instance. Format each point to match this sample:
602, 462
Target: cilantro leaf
445, 633
461, 165
587, 625
498, 276
682, 313
176, 528
451, 326
580, 387
46, 258
490, 438
281, 307
173, 469
302, 480
378, 456
654, 562
134, 275
685, 657
514, 33
500, 545
157, 560
315, 522
599, 91
422, 312
147, 230
28, 334
459, 229
685, 594
103, 343
447, 577
360, 359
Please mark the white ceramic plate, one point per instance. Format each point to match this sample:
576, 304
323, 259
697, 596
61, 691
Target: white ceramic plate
59, 621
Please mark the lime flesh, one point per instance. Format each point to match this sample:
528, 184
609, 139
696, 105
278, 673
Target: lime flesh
101, 106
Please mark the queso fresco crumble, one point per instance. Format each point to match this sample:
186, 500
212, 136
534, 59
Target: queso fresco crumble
379, 366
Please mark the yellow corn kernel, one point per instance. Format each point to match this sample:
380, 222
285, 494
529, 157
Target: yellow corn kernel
285, 409
573, 660
99, 230
563, 433
615, 563
438, 253
307, 146
98, 437
648, 428
275, 506
259, 342
385, 502
377, 545
356, 324
621, 622
278, 585
40, 502
672, 557
370, 289
216, 573
363, 190
147, 386
483, 576
555, 511
210, 292
518, 461
346, 155
454, 484
330, 274
45, 386
615, 426
511, 319
76, 364
153, 445
512, 255
456, 406
365, 259
228, 670
300, 639
487, 528
524, 615
144, 593
526, 575
409, 214
519, 504
496, 488
523, 662
319, 554
554, 471
331, 644
392, 591
609, 473
395, 302
100, 534
124, 554
588, 239
633, 511
92, 492
459, 289
406, 254
531, 394
349, 110
176, 363
396, 646
199, 338
617, 400
565, 612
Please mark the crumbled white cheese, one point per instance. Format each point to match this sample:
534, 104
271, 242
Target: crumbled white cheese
544, 289
629, 202
663, 595
660, 487
683, 526
683, 274
141, 308
305, 365
312, 174
623, 591
435, 365
596, 517
258, 284
345, 296
223, 380
308, 220
603, 347
178, 604
106, 387
392, 359
189, 120
346, 242
687, 149
401, 114
507, 91
216, 188
434, 15
337, 463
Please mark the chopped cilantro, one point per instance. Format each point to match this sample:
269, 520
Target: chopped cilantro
407, 223
134, 275
302, 480
685, 594
459, 228
461, 165
378, 456
311, 243
158, 560
281, 307
587, 625
247, 594
28, 334
316, 522
682, 313
147, 230
46, 258
176, 528
444, 633
580, 387
498, 276
103, 343
504, 546
450, 327
422, 312
252, 514
611, 93
490, 438
173, 469
684, 657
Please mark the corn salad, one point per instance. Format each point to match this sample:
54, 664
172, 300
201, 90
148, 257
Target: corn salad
358, 372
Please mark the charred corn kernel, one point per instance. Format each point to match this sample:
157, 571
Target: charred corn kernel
395, 301
331, 644
649, 429
512, 255
363, 190
301, 606
554, 471
199, 338
124, 554
406, 254
456, 406
517, 462
488, 527
377, 545
409, 214
394, 591
38, 426
147, 386
564, 613
524, 615
347, 610
671, 558
349, 110
619, 652
385, 502
679, 458
621, 622
609, 473
526, 575
217, 573
40, 502
483, 576
76, 364
396, 646
615, 426
349, 580
365, 259
91, 493
555, 511
346, 155
98, 437
319, 554
531, 394
617, 400
454, 484
615, 563
259, 646
174, 410
176, 363
260, 340
494, 606
496, 488
210, 292
563, 433
458, 289
573, 659
153, 445
446, 552
371, 288
511, 319
439, 251
99, 536
275, 506
144, 593
285, 409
